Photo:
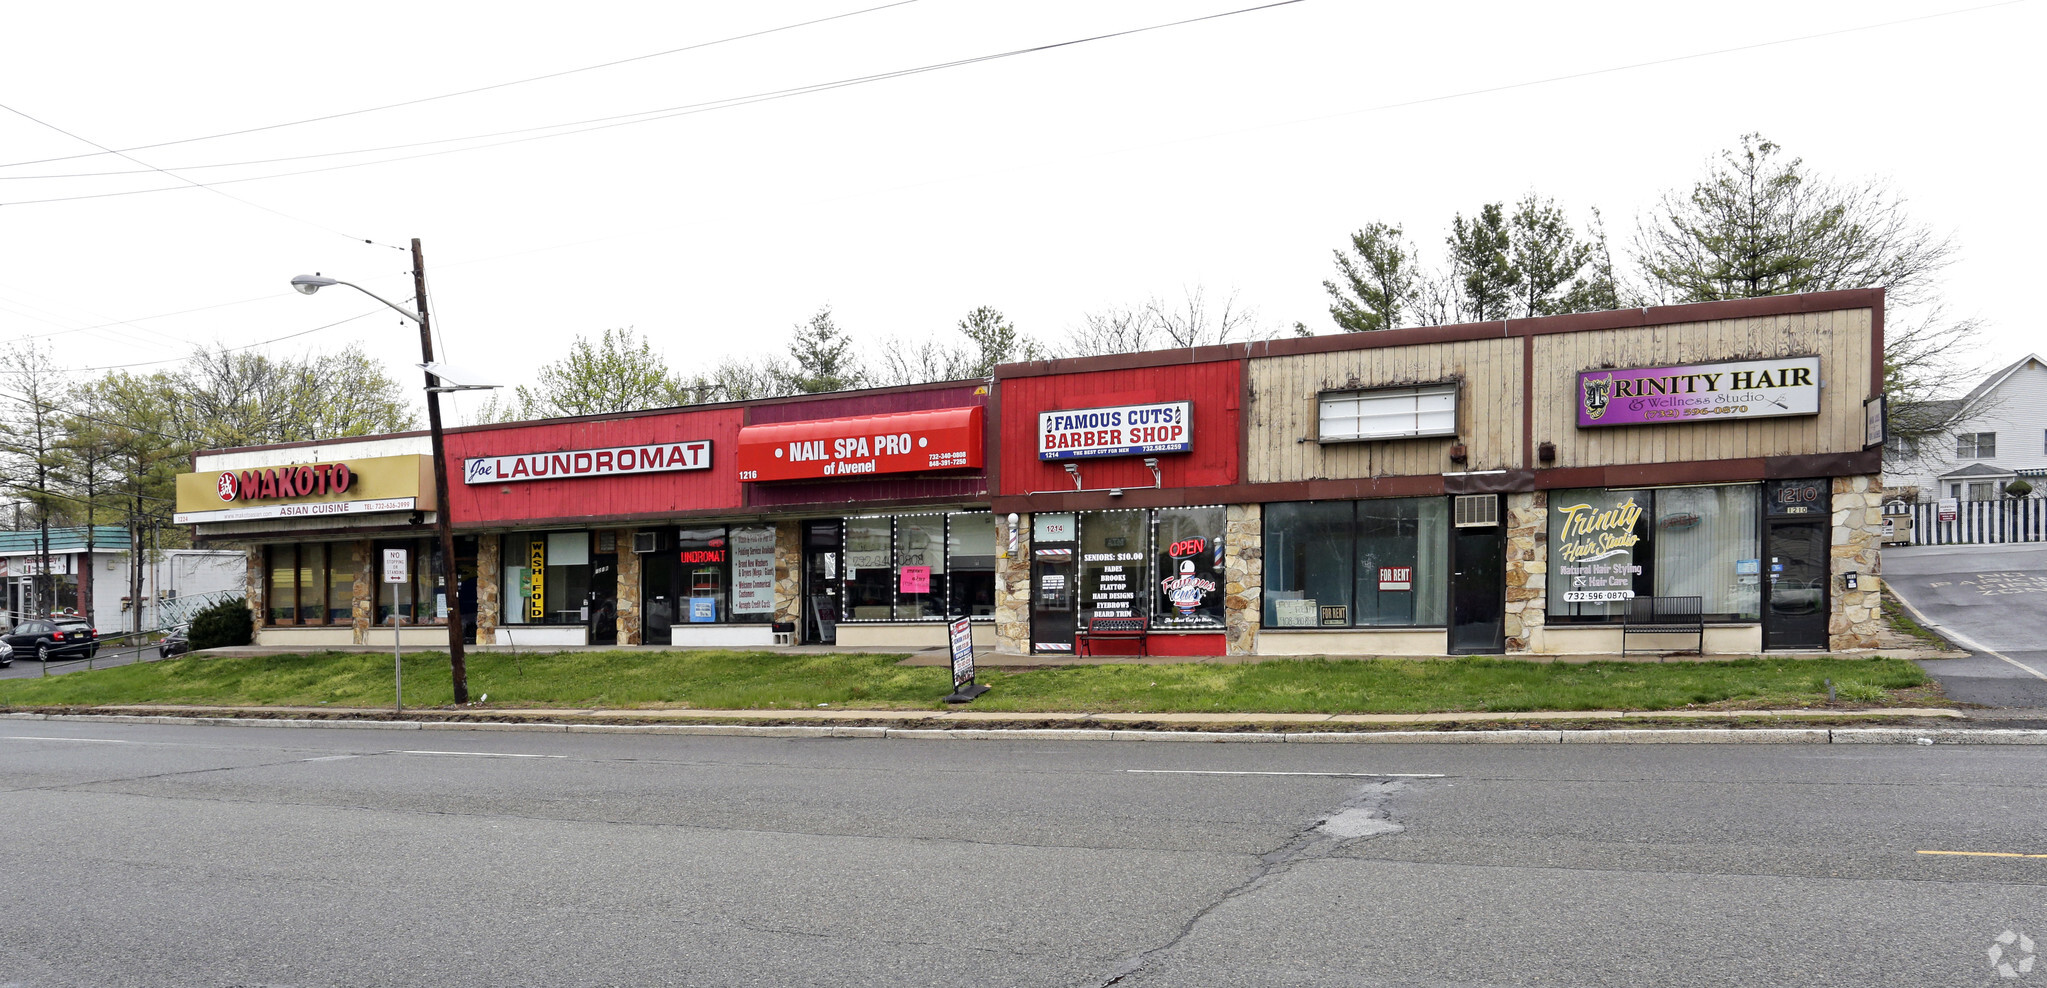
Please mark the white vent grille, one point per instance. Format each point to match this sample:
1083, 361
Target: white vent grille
1477, 510
644, 541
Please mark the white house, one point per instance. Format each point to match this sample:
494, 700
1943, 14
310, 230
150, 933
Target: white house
26, 573
2000, 435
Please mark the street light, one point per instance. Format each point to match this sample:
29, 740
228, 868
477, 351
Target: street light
307, 284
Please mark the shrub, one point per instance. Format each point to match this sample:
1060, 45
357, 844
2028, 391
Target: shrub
2018, 488
225, 623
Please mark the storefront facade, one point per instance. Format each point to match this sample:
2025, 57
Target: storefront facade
1503, 487
857, 518
1510, 487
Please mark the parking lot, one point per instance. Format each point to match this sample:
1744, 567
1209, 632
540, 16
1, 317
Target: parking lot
1989, 599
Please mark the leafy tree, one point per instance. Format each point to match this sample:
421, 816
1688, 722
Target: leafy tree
1759, 223
824, 356
1379, 280
132, 419
617, 372
992, 339
1550, 258
225, 398
35, 464
1481, 255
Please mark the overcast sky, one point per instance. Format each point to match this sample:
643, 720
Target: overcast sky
1231, 154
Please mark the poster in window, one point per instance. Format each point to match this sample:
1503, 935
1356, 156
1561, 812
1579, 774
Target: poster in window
753, 571
916, 579
1595, 548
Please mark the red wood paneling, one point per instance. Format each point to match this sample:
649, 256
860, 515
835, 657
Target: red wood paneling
651, 494
1213, 386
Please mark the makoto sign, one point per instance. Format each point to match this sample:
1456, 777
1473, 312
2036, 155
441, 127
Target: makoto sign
1745, 389
338, 487
1118, 430
657, 458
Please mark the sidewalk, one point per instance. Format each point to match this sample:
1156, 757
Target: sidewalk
544, 715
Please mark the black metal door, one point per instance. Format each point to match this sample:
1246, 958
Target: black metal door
604, 599
657, 597
821, 582
1478, 590
1054, 594
1795, 583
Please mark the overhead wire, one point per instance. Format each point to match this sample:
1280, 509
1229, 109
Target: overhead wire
474, 90
571, 128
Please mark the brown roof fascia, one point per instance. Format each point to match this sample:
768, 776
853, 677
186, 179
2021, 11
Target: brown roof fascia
1660, 315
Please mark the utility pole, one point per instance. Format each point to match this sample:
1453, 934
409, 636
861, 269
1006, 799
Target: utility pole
450, 589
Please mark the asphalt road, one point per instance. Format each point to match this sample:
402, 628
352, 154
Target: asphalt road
26, 665
151, 855
1992, 599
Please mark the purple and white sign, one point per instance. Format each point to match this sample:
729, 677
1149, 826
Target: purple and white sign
1742, 389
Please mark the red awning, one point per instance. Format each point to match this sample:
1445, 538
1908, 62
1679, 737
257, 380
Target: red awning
824, 449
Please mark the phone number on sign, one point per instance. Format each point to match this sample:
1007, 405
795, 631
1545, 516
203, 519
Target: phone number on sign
1597, 596
1672, 413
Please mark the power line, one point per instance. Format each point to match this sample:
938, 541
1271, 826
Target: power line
229, 349
478, 89
197, 185
689, 109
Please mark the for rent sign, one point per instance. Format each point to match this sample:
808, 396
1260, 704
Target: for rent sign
1745, 389
1118, 430
655, 458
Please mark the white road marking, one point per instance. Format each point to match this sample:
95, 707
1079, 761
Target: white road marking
330, 758
478, 754
1325, 775
1967, 642
34, 737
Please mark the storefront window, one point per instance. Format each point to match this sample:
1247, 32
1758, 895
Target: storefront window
1113, 571
1357, 564
546, 578
970, 564
1705, 547
416, 599
869, 574
340, 584
1606, 547
704, 556
1188, 543
311, 583
920, 567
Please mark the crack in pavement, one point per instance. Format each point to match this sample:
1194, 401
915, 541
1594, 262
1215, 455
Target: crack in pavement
1365, 815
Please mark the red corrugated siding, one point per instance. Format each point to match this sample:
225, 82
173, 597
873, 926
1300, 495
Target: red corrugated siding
633, 494
834, 406
1213, 387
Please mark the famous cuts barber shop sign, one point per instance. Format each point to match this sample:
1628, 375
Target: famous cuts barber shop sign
1766, 387
569, 464
1116, 430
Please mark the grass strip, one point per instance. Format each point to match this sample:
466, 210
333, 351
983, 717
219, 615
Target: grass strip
769, 681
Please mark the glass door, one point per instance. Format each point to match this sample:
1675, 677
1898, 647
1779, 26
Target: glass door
1795, 584
604, 597
1053, 597
1478, 585
821, 582
658, 598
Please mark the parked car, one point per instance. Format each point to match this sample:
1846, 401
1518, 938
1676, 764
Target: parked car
55, 638
174, 643
6, 654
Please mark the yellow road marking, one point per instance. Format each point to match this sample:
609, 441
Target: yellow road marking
1986, 854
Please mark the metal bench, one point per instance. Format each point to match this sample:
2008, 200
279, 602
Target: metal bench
1114, 629
1665, 616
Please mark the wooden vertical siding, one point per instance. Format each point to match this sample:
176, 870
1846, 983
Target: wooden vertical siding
1282, 415
1841, 339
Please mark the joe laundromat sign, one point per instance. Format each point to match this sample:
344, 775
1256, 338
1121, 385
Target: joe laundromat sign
1745, 389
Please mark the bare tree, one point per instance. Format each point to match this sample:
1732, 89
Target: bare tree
1115, 330
1195, 320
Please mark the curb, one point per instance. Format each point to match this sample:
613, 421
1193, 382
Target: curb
1640, 735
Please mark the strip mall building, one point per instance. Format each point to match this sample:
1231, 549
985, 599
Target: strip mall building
1503, 487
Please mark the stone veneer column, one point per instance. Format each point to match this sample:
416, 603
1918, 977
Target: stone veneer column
628, 589
1527, 566
1243, 577
789, 575
362, 606
1857, 617
1013, 587
490, 571
254, 582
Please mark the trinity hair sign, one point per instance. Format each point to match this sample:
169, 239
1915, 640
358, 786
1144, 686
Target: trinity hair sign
569, 464
1739, 390
1119, 430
